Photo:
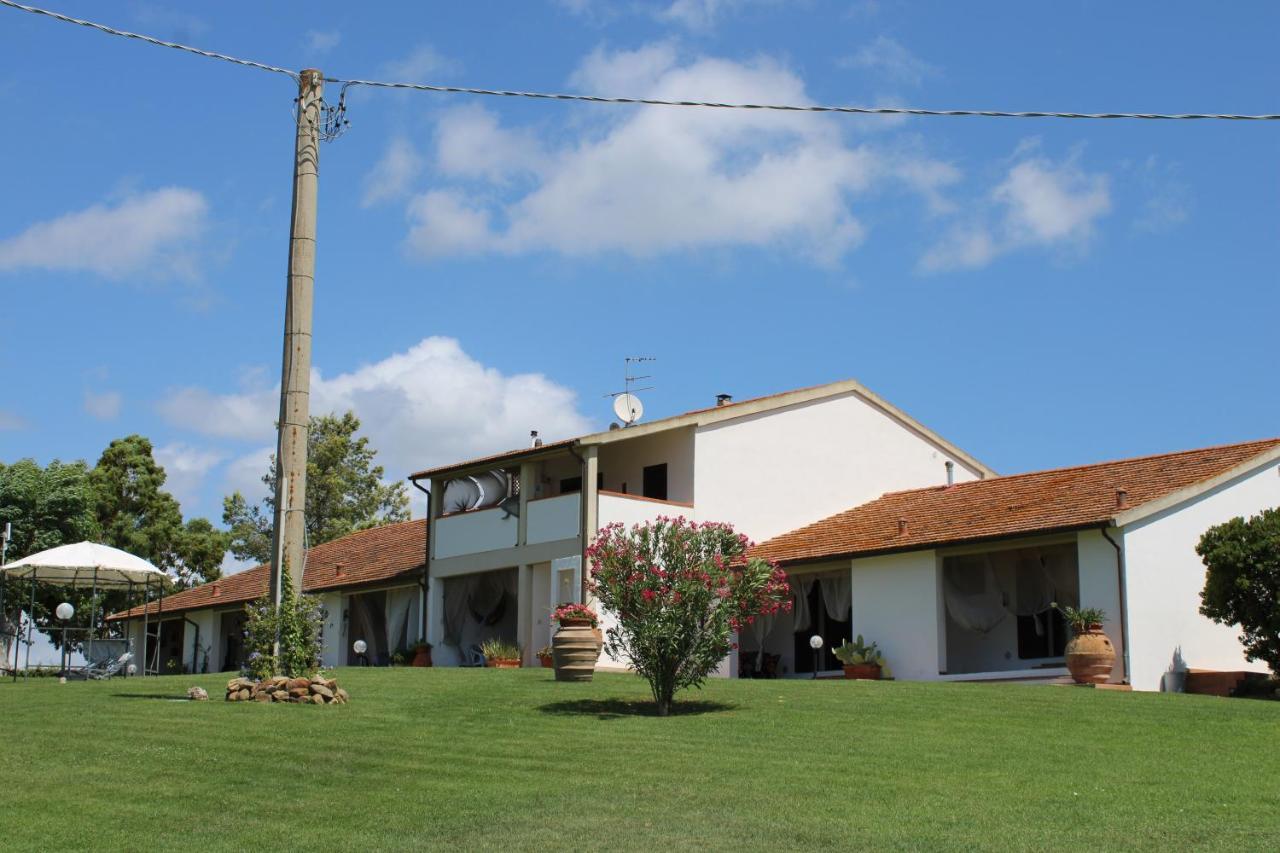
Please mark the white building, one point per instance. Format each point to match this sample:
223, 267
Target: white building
507, 531
369, 583
955, 583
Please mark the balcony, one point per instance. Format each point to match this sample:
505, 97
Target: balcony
475, 531
552, 519
633, 509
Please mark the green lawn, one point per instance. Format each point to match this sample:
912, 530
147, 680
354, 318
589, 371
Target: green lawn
513, 760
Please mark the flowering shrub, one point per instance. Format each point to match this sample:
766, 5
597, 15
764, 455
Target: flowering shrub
575, 611
679, 588
296, 623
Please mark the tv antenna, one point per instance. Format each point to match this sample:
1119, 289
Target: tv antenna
626, 405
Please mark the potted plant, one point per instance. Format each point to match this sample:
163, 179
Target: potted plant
397, 657
421, 653
500, 654
1090, 655
576, 644
545, 657
861, 659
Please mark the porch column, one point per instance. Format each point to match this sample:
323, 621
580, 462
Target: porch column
524, 605
435, 612
590, 509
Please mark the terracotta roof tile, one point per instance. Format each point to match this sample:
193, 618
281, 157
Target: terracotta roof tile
1064, 498
367, 556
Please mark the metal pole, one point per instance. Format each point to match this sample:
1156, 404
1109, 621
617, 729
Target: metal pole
31, 625
295, 377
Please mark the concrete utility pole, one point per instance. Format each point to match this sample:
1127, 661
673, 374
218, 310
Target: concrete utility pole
289, 527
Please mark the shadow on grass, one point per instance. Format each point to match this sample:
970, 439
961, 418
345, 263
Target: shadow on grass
167, 696
614, 709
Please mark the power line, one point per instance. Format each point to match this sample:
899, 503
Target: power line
657, 102
148, 39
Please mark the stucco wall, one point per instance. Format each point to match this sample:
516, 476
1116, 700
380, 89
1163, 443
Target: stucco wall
1165, 576
776, 471
895, 605
624, 462
1100, 587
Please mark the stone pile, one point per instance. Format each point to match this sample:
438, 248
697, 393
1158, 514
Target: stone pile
315, 690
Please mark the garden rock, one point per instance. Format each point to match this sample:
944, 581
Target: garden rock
198, 694
312, 691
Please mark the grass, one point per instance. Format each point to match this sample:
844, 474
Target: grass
510, 759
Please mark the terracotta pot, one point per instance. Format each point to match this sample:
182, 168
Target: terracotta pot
422, 657
867, 671
503, 663
575, 649
1090, 656
546, 660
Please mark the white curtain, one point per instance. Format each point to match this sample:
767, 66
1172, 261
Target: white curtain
398, 601
759, 631
456, 596
800, 588
837, 595
973, 600
413, 631
484, 596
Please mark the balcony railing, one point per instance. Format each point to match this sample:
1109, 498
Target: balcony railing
475, 531
633, 509
551, 519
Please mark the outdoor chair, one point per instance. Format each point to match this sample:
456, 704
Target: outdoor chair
105, 658
472, 656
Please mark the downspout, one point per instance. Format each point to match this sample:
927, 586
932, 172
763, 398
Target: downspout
582, 521
425, 582
1124, 601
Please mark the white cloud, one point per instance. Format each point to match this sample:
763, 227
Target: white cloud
391, 177
1039, 203
185, 469
429, 405
244, 473
653, 181
10, 421
322, 41
888, 58
105, 405
148, 234
422, 62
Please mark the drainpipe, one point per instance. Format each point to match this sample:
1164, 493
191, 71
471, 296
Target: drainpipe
425, 583
1124, 601
582, 522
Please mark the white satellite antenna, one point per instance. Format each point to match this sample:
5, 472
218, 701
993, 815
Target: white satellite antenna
626, 405
628, 408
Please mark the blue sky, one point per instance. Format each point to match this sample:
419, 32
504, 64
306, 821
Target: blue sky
1041, 292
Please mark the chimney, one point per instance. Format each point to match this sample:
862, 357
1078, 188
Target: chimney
1122, 498
723, 400
902, 527
217, 589
951, 473
534, 441
339, 570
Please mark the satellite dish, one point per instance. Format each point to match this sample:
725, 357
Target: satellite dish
628, 408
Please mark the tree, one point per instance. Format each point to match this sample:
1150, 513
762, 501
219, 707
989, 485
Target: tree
345, 492
678, 589
197, 558
1242, 584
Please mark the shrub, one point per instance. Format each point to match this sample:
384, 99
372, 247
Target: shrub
1242, 584
854, 652
296, 623
679, 589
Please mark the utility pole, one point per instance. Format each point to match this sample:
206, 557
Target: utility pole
289, 527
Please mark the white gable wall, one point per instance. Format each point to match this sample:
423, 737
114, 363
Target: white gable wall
1165, 576
775, 471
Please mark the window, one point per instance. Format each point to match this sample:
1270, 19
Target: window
570, 484
655, 481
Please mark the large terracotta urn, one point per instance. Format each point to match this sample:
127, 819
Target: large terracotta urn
1090, 656
574, 649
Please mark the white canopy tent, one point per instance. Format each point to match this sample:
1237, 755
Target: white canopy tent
86, 564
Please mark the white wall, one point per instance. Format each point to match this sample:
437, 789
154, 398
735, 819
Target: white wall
631, 511
334, 643
208, 624
776, 471
895, 605
1165, 576
1100, 587
624, 462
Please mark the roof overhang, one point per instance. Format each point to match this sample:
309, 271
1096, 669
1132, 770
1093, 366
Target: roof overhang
1150, 508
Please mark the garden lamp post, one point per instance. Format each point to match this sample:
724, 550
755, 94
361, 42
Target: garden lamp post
815, 643
360, 647
64, 612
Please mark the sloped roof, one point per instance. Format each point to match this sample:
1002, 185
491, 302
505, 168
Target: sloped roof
713, 414
1041, 501
364, 557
